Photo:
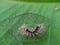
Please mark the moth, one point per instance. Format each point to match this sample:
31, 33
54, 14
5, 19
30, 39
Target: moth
31, 32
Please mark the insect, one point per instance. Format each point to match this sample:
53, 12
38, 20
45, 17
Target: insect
31, 32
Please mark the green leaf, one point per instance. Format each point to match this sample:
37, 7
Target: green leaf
8, 23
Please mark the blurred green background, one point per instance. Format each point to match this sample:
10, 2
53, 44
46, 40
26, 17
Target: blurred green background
36, 1
9, 9
39, 0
